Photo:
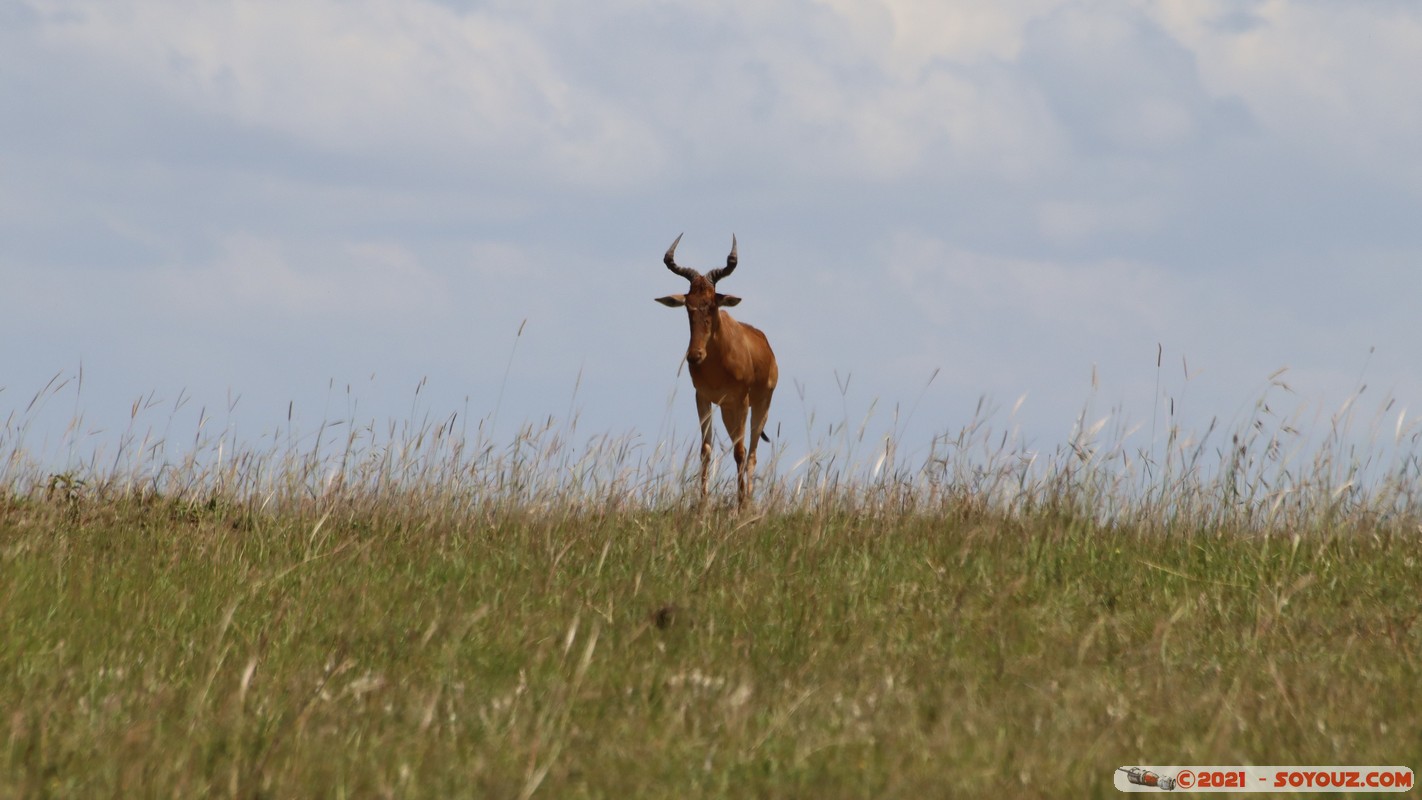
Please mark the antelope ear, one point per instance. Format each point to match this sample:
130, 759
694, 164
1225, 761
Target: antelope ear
673, 300
727, 299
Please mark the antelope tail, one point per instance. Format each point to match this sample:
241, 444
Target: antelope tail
763, 437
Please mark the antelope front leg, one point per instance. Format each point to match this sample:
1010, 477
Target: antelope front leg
750, 473
703, 411
735, 418
760, 408
743, 476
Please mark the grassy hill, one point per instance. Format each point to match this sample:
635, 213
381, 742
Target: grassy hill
433, 617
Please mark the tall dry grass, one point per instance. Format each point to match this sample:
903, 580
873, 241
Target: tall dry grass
1268, 470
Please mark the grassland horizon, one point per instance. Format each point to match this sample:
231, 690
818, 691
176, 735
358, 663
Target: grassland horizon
419, 608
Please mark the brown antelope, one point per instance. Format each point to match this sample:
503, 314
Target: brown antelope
731, 366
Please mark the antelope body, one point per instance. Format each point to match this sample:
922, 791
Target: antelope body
731, 366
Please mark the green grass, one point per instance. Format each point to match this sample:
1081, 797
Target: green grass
431, 616
152, 649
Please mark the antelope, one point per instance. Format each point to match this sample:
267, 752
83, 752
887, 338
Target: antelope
731, 366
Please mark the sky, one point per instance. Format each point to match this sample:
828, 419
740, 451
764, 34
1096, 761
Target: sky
382, 209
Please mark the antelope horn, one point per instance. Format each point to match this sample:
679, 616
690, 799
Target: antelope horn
718, 274
670, 260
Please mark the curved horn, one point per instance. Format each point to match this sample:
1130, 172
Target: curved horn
731, 260
670, 260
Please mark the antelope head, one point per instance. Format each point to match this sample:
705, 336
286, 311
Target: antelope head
703, 303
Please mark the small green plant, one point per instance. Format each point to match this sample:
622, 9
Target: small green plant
66, 488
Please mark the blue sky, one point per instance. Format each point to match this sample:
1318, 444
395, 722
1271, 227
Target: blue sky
219, 200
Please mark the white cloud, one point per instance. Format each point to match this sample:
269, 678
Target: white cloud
1122, 84
1073, 222
254, 275
1330, 80
1096, 298
370, 76
924, 86
914, 36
